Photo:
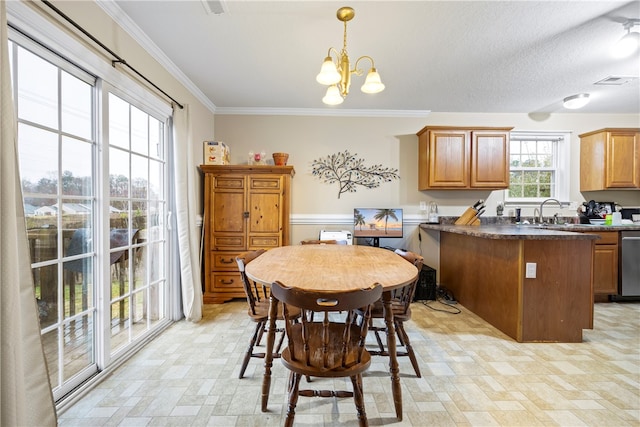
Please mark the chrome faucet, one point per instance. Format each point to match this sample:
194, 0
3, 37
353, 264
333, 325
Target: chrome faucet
541, 217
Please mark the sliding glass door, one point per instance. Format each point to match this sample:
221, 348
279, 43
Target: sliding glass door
93, 168
138, 207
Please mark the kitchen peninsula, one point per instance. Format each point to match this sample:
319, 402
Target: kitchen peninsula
533, 284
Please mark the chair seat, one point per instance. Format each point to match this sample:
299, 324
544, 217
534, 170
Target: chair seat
262, 312
398, 309
332, 365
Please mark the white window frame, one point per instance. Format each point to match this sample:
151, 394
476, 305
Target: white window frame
561, 166
29, 21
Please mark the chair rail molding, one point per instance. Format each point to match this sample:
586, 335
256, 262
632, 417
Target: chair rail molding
342, 219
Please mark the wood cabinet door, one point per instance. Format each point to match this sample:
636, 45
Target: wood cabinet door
605, 270
265, 204
228, 213
449, 159
489, 159
623, 164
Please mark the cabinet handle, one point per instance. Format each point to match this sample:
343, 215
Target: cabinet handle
245, 215
226, 282
226, 261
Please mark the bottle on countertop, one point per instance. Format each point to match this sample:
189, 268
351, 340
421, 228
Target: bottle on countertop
616, 218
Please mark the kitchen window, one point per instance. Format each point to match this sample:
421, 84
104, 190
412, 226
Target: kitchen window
538, 167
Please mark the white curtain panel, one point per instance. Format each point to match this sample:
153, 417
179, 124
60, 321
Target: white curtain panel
26, 396
188, 236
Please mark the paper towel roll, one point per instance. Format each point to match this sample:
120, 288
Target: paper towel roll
616, 218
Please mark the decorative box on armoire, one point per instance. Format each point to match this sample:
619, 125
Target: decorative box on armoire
246, 207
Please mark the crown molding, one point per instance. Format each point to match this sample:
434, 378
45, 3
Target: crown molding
121, 18
329, 112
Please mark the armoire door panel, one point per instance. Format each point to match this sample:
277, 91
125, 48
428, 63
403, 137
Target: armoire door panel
264, 213
228, 212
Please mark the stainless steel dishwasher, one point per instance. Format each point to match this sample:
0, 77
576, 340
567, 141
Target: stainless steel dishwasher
630, 264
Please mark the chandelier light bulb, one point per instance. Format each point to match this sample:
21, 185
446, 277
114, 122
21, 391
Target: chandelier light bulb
329, 74
627, 45
372, 84
333, 96
575, 102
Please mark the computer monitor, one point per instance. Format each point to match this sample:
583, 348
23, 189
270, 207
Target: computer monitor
376, 223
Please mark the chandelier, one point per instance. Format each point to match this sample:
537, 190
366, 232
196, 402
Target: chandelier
337, 75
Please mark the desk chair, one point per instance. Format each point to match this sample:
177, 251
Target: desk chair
330, 348
258, 309
401, 306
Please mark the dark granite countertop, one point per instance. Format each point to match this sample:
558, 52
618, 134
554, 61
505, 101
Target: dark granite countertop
590, 227
510, 232
504, 228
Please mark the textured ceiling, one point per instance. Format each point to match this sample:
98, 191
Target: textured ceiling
439, 56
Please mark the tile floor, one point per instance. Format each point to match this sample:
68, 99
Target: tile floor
473, 375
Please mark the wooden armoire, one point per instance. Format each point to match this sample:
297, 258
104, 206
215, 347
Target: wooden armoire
246, 207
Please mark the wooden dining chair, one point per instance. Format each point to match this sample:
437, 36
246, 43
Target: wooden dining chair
401, 307
332, 347
258, 310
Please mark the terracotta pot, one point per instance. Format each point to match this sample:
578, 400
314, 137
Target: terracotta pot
280, 159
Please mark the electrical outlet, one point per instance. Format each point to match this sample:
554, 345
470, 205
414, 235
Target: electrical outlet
530, 272
423, 206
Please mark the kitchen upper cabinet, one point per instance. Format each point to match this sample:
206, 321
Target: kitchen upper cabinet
246, 208
610, 159
463, 158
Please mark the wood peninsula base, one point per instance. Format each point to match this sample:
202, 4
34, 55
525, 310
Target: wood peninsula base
485, 270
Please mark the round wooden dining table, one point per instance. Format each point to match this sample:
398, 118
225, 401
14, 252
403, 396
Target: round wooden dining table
338, 268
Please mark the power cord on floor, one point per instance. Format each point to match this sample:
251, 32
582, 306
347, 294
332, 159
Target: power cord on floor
450, 308
446, 298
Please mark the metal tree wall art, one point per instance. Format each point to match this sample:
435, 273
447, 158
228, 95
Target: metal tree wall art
349, 171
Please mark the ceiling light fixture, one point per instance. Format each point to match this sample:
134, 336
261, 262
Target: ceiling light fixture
629, 43
337, 75
574, 102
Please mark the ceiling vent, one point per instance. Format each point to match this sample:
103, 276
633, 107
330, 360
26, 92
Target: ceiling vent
214, 6
615, 80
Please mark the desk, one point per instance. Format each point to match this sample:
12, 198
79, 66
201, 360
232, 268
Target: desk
340, 268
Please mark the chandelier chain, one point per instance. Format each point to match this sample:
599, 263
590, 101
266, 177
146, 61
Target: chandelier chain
344, 38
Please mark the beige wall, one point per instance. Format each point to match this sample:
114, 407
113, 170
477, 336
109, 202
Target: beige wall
392, 142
